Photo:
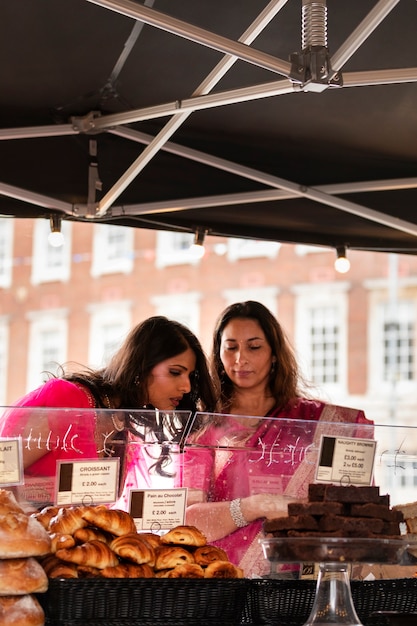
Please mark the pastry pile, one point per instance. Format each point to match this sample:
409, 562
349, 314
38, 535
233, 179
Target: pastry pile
95, 541
22, 541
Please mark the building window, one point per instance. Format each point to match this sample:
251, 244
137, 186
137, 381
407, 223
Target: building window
48, 336
109, 325
50, 264
251, 249
324, 343
398, 342
174, 249
6, 252
303, 249
184, 308
265, 295
4, 350
112, 250
321, 337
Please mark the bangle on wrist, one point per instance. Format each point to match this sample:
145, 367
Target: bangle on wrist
236, 513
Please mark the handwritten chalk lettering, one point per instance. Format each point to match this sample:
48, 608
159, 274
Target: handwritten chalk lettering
67, 443
291, 454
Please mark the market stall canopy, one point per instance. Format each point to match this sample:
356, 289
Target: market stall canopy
293, 121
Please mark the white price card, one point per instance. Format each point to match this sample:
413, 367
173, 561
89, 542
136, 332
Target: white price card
346, 461
11, 462
92, 481
158, 509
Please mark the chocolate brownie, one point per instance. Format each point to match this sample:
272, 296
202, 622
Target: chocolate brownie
351, 526
354, 494
376, 510
303, 522
316, 508
335, 510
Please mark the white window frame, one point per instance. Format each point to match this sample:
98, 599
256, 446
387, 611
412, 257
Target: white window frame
304, 249
405, 310
182, 307
4, 357
107, 258
117, 314
173, 248
251, 249
265, 295
42, 270
6, 252
54, 320
310, 297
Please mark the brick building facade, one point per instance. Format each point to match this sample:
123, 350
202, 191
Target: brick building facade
354, 333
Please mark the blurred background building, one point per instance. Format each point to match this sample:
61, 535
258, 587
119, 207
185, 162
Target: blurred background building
354, 333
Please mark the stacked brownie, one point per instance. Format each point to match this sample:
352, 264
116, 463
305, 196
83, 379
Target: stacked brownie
337, 511
337, 524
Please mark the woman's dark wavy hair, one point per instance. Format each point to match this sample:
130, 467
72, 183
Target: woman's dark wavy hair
284, 377
127, 375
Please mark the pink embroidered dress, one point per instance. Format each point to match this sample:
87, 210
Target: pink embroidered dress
232, 461
73, 436
71, 433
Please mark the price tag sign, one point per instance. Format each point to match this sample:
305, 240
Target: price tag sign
346, 461
92, 481
158, 509
11, 462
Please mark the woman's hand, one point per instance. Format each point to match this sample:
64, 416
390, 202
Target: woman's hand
215, 521
264, 505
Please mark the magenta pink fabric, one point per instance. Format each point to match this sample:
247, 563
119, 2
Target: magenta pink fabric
56, 393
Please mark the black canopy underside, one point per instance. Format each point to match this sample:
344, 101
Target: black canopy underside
290, 120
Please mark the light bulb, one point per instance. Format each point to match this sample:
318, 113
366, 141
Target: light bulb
197, 250
56, 238
342, 263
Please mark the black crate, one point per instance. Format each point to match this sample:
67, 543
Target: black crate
289, 602
144, 602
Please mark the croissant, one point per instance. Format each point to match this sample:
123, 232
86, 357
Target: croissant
86, 571
114, 521
128, 570
134, 548
188, 570
168, 557
222, 569
152, 538
184, 535
67, 520
59, 540
207, 554
93, 553
82, 535
55, 568
45, 515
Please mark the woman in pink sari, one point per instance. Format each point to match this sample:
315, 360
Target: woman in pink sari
239, 469
160, 366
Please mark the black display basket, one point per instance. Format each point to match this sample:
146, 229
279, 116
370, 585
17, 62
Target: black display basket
144, 602
272, 601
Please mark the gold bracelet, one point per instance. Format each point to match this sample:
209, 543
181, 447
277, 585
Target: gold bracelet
236, 513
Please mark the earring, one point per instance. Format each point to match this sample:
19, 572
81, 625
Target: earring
136, 381
273, 365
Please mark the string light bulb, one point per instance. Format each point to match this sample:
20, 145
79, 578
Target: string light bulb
55, 237
197, 247
342, 263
